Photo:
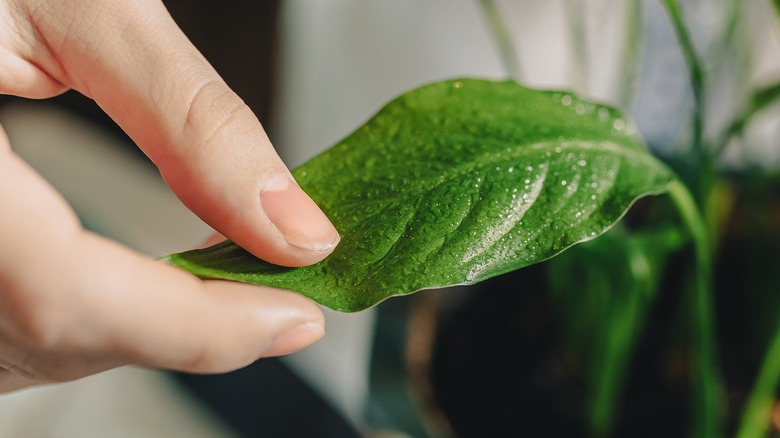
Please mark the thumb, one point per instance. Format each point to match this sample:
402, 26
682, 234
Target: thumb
132, 59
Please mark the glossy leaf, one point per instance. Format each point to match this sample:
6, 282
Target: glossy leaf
454, 183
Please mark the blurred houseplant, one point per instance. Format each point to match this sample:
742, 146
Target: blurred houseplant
631, 319
607, 337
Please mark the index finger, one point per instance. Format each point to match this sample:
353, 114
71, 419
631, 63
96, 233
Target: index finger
130, 57
67, 291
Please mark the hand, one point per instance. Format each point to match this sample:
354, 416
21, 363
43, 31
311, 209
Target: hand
73, 303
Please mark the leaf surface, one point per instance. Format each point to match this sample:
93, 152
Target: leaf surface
453, 183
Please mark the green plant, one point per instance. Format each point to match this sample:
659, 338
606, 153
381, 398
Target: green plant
454, 183
463, 180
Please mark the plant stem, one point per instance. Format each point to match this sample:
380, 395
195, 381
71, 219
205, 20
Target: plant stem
623, 326
630, 56
707, 385
758, 409
759, 406
580, 71
728, 37
759, 100
503, 40
697, 84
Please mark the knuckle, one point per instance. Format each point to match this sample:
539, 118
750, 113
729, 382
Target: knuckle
204, 359
215, 110
33, 321
39, 330
197, 361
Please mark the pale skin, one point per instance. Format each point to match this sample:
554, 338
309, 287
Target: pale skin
73, 303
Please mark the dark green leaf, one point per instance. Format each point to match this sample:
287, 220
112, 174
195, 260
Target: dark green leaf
453, 183
759, 100
603, 291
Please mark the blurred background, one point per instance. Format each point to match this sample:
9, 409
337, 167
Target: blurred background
507, 357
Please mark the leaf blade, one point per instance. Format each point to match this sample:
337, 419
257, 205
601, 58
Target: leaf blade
454, 183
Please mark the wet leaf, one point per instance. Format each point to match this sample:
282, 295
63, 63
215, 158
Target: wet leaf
454, 183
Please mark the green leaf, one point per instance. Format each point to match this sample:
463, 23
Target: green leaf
760, 99
777, 7
454, 183
604, 290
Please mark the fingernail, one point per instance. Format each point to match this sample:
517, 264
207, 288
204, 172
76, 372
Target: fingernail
296, 339
296, 216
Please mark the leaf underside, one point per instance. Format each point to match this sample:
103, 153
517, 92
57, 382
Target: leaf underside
453, 183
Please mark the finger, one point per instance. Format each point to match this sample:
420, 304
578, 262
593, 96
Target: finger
214, 239
38, 366
21, 75
10, 381
207, 143
69, 292
200, 326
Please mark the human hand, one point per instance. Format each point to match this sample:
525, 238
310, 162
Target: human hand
73, 303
